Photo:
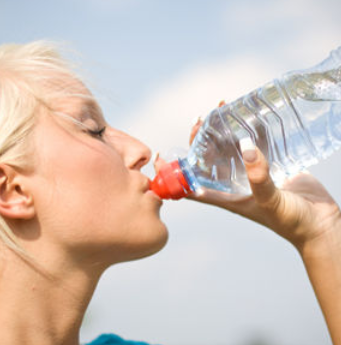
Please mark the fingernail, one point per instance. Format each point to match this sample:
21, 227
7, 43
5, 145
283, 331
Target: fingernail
155, 156
196, 121
221, 103
248, 149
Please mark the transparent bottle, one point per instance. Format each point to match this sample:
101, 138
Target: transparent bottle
295, 121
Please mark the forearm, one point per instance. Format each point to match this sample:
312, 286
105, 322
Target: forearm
322, 259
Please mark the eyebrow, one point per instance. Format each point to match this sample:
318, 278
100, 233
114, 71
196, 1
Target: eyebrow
72, 119
90, 107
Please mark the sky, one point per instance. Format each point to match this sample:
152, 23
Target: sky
155, 66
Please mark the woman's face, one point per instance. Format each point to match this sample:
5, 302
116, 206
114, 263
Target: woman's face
91, 198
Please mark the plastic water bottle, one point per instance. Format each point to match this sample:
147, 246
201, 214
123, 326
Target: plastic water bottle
295, 121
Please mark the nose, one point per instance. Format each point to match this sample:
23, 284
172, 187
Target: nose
139, 155
134, 153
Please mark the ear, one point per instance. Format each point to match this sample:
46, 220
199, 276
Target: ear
16, 202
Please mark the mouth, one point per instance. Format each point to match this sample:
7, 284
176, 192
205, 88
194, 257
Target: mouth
147, 190
146, 185
154, 196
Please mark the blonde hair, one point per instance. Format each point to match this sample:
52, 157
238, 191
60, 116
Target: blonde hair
33, 76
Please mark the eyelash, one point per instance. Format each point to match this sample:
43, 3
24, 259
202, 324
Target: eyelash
99, 133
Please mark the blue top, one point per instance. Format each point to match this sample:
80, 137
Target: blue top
112, 339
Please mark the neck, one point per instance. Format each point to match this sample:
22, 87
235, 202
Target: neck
41, 309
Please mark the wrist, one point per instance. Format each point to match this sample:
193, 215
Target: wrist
325, 245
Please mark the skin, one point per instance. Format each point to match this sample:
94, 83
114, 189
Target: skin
83, 207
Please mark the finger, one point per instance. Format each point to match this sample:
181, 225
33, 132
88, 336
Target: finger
197, 123
264, 190
157, 162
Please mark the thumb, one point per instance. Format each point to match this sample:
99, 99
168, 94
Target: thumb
264, 190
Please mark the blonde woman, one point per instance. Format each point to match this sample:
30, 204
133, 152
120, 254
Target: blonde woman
73, 202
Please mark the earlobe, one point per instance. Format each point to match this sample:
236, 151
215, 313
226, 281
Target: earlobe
15, 201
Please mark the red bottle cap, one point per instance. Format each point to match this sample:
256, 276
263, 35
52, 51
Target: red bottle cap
170, 182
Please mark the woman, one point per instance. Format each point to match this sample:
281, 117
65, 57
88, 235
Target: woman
73, 202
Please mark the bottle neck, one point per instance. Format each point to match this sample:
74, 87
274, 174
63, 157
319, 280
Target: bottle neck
170, 182
189, 174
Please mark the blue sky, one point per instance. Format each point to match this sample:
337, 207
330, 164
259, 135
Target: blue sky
155, 65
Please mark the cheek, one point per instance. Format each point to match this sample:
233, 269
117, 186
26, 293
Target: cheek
95, 182
82, 184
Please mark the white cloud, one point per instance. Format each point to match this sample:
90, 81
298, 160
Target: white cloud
164, 119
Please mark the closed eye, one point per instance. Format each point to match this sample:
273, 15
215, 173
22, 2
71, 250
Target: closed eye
97, 133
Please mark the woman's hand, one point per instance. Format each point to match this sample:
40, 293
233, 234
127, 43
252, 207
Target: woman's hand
302, 211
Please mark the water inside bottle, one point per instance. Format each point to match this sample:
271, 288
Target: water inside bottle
294, 121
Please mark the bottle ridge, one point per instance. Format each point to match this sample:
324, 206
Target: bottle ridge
294, 120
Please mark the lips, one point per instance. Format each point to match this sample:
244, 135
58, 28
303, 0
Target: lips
146, 189
146, 185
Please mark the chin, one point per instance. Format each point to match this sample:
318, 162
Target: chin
142, 241
156, 239
151, 243
160, 244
